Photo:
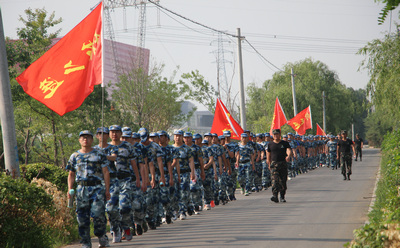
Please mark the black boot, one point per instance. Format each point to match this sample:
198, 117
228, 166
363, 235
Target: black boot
348, 177
344, 177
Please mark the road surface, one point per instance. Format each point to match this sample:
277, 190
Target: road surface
321, 210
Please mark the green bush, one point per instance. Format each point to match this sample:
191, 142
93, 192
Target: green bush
49, 172
384, 219
22, 207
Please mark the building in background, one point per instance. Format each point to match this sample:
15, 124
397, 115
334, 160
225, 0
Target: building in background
200, 122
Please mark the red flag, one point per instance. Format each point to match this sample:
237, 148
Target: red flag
320, 131
223, 121
302, 121
279, 118
65, 75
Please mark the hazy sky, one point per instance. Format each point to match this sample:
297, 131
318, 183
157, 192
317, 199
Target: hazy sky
281, 30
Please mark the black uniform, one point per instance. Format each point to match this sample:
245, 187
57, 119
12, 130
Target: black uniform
344, 147
279, 168
358, 143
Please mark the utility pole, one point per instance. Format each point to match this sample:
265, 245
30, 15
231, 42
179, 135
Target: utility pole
241, 89
7, 111
293, 93
324, 111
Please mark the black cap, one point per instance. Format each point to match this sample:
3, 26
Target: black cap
276, 131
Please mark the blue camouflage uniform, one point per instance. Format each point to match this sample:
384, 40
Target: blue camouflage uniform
196, 186
245, 152
209, 180
90, 192
232, 180
332, 153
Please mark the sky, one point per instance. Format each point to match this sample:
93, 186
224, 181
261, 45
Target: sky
282, 31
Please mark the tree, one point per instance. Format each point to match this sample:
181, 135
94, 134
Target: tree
312, 78
381, 62
195, 87
149, 101
390, 5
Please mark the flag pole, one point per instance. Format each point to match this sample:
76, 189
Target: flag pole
102, 68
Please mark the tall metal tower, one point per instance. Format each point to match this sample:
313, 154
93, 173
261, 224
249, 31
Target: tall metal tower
222, 80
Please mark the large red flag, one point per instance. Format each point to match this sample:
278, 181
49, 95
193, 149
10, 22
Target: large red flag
223, 121
65, 75
320, 131
279, 118
302, 121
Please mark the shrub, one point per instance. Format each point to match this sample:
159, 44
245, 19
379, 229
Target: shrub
22, 207
49, 172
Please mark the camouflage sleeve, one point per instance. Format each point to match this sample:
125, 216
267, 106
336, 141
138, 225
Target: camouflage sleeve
103, 159
189, 152
71, 163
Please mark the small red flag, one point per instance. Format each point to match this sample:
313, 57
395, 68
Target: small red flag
65, 75
302, 121
223, 121
279, 118
320, 131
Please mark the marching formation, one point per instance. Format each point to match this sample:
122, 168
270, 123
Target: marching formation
138, 180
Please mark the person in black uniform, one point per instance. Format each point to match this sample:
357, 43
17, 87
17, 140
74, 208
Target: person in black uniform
359, 142
279, 154
344, 147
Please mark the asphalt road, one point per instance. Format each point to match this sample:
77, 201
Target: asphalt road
321, 210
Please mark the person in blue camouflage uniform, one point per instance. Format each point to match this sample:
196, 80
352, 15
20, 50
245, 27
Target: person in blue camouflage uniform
110, 151
257, 183
156, 169
196, 199
331, 152
223, 192
245, 163
138, 195
255, 157
266, 174
294, 160
127, 173
89, 168
210, 170
186, 172
167, 192
218, 153
231, 148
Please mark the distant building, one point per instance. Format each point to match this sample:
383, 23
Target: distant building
200, 122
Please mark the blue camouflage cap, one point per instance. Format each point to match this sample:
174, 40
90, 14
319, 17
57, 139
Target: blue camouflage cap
221, 137
244, 135
144, 133
197, 136
246, 131
207, 134
103, 130
214, 135
127, 134
187, 134
289, 133
178, 132
124, 129
227, 133
204, 141
162, 132
284, 136
154, 134
259, 135
267, 135
115, 128
135, 135
85, 132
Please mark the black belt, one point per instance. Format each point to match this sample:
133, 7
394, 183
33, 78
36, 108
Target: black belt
89, 183
244, 161
123, 175
185, 170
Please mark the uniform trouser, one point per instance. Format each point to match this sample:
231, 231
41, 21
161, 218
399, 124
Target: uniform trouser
222, 181
216, 184
231, 182
120, 205
346, 160
166, 194
233, 178
184, 188
279, 171
138, 204
90, 202
244, 175
266, 174
152, 200
258, 175
332, 160
175, 197
195, 191
358, 152
208, 186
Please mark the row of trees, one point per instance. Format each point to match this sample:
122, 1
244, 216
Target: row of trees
344, 106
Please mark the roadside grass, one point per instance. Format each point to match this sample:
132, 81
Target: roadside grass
383, 227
